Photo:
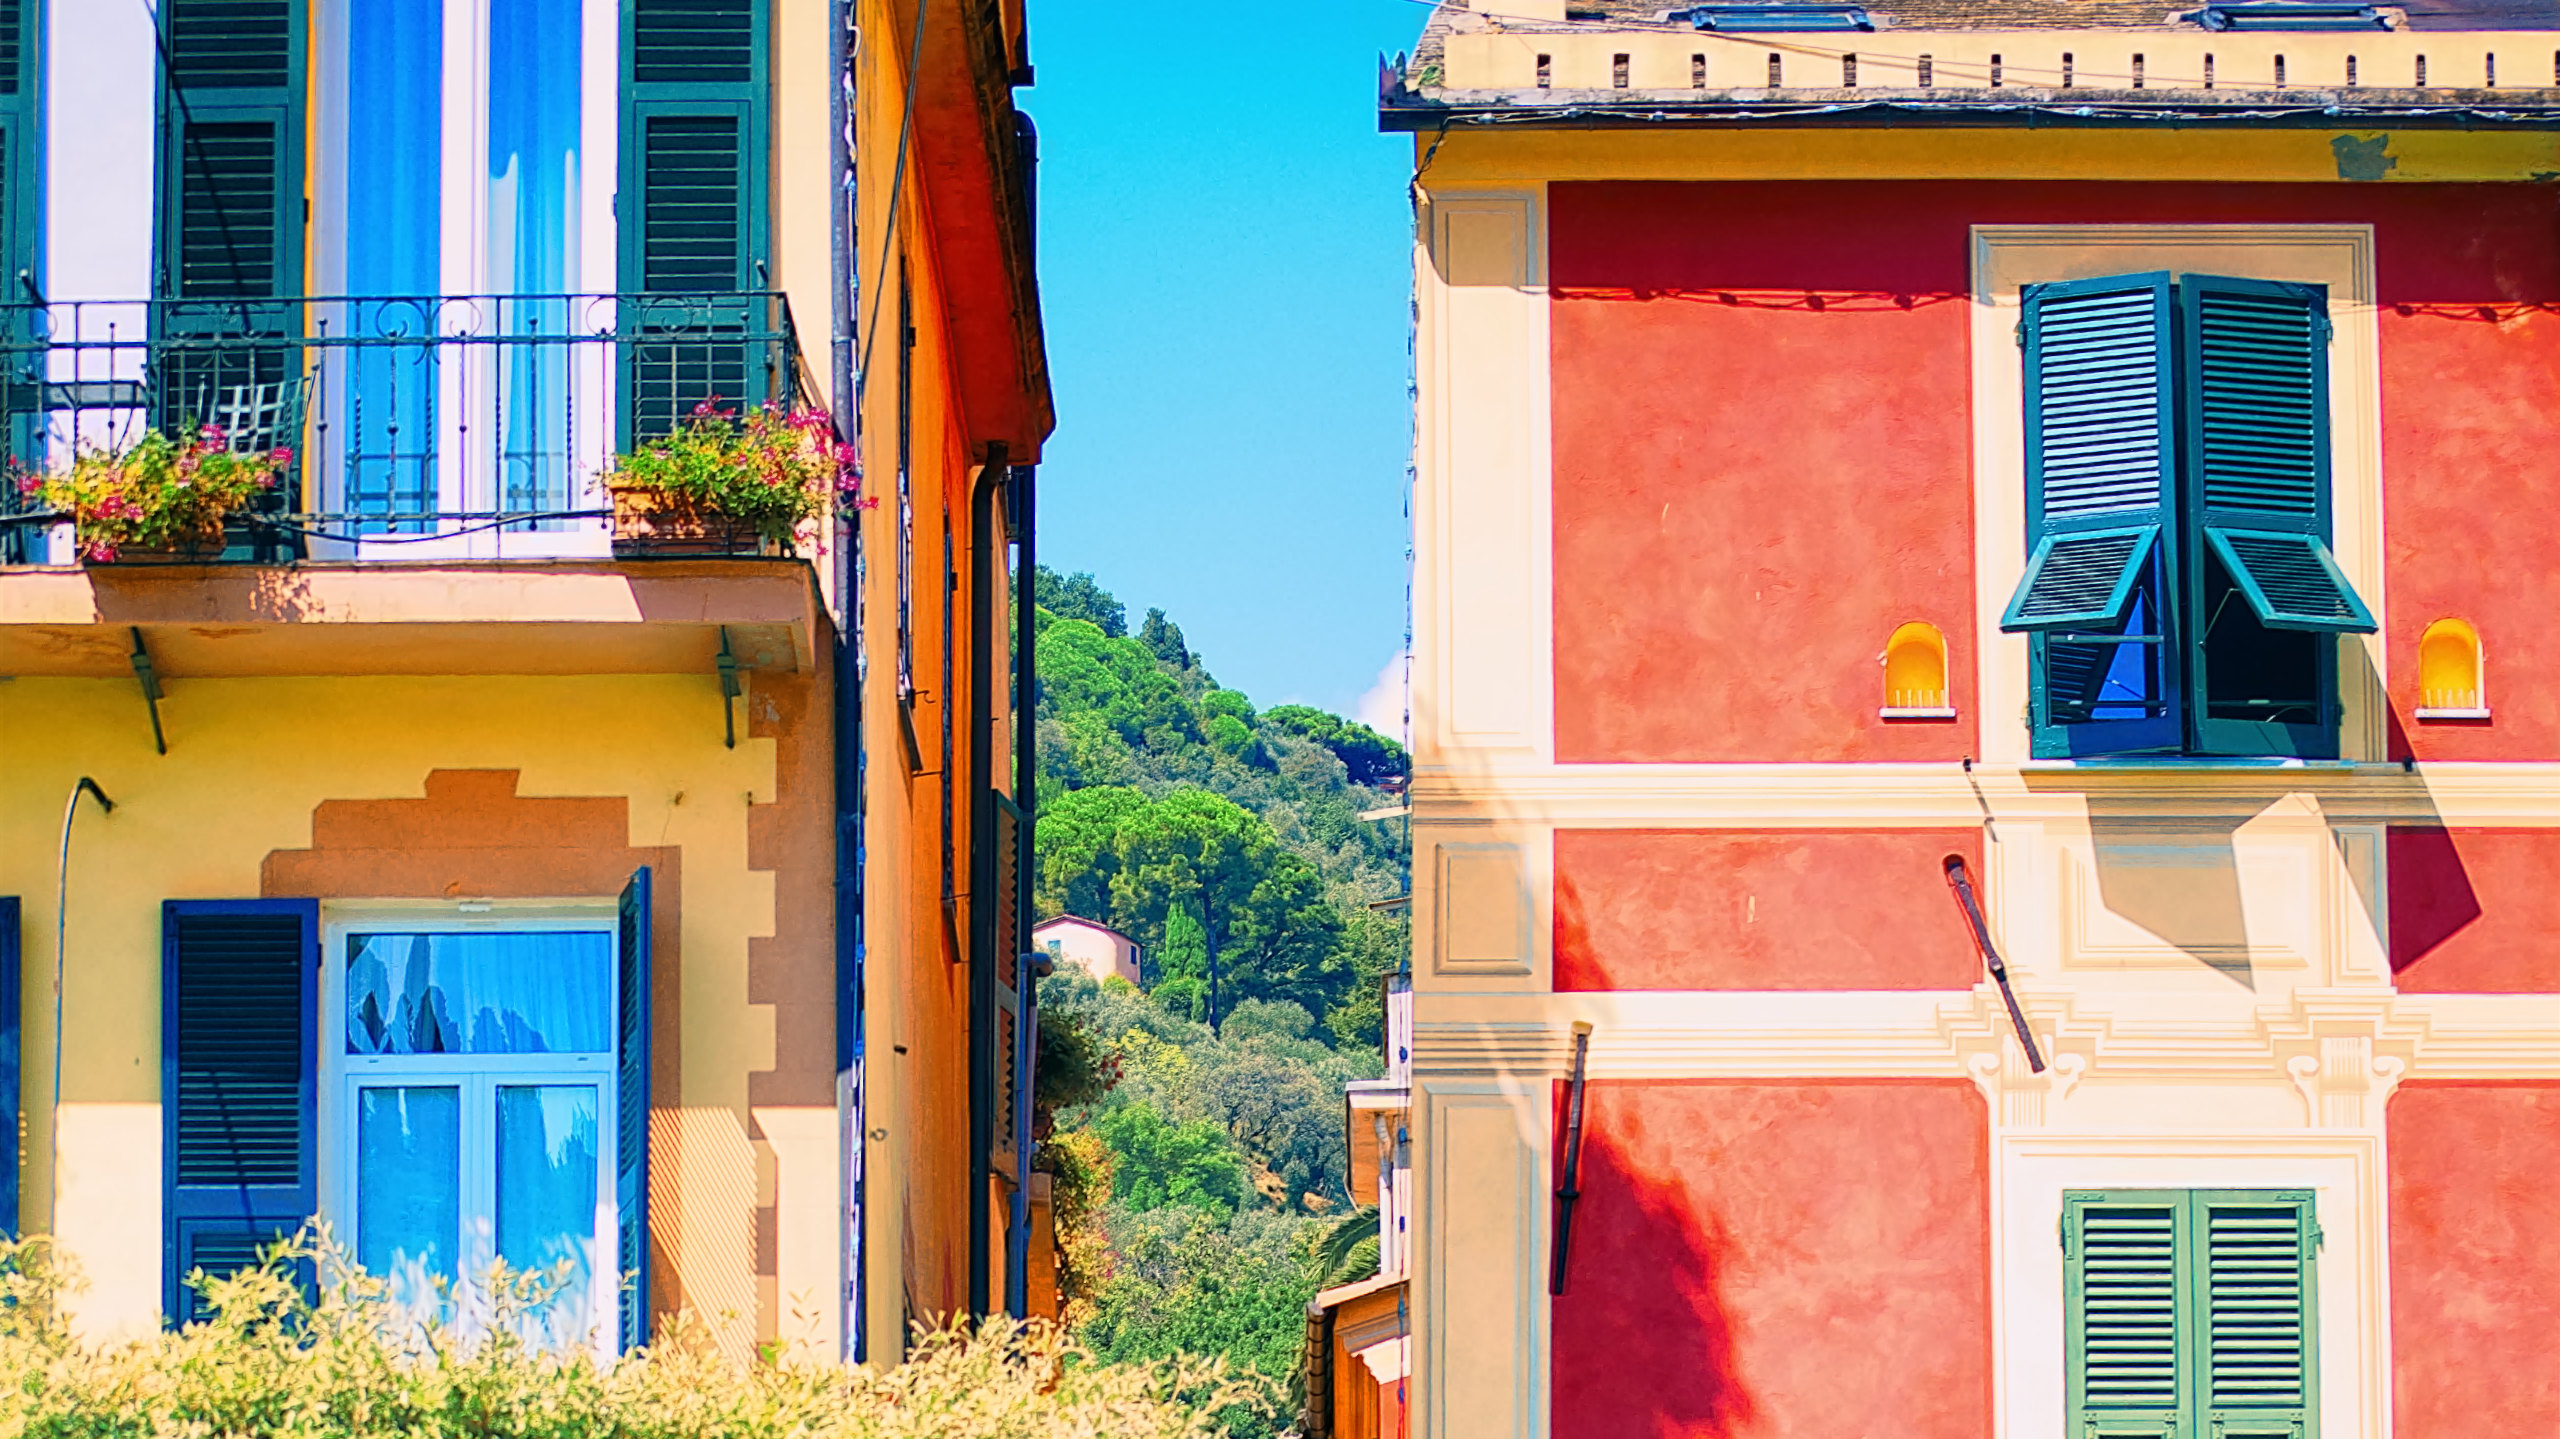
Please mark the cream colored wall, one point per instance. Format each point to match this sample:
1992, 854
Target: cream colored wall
249, 760
1091, 948
2250, 1042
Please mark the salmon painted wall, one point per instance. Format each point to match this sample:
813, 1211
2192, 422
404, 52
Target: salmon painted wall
2475, 1261
1762, 452
1792, 909
1794, 1258
2474, 910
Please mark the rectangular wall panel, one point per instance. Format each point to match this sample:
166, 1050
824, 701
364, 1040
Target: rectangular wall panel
1482, 1285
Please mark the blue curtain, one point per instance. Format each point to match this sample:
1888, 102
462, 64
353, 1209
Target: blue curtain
395, 208
480, 993
409, 1190
533, 235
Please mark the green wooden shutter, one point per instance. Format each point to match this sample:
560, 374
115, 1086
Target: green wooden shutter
11, 1049
2126, 1335
238, 1098
692, 210
232, 149
631, 1121
2265, 592
2101, 484
2254, 1307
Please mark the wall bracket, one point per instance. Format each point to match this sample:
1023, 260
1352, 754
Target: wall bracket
727, 664
143, 671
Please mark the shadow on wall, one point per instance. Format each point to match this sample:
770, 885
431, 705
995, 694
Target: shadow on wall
1644, 1341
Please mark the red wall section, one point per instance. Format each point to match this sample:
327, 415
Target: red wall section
1787, 909
2475, 1261
1762, 447
1783, 1259
2474, 910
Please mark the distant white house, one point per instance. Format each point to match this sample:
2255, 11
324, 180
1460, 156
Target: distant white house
1097, 949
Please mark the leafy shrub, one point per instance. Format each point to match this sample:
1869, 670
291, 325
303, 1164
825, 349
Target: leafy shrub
276, 1365
160, 492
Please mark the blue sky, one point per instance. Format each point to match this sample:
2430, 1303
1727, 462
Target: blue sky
1225, 263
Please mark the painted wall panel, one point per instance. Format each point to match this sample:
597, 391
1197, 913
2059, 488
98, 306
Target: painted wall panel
1796, 909
1728, 394
2475, 1260
1806, 1258
2474, 910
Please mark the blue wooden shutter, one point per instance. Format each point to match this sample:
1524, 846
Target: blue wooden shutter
238, 1102
11, 1049
2101, 487
2253, 1306
2126, 1333
692, 210
631, 1123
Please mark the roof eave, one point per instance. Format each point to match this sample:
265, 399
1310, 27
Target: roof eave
1408, 113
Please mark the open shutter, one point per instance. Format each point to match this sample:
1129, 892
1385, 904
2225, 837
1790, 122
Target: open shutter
2255, 1309
239, 1048
2126, 1335
2265, 592
11, 1048
631, 1121
693, 127
231, 159
2101, 485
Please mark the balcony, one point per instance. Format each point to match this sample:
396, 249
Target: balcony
443, 512
440, 427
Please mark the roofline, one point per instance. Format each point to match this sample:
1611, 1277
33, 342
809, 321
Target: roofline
1407, 113
1088, 923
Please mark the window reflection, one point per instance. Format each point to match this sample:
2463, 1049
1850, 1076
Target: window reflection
480, 993
546, 1217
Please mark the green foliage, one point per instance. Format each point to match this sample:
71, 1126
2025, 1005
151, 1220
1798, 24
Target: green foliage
160, 492
350, 1366
769, 469
1156, 1163
1347, 1249
1368, 756
1191, 1282
1163, 639
1077, 597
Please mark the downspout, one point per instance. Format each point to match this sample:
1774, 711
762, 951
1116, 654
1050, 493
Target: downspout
843, 254
982, 867
1026, 797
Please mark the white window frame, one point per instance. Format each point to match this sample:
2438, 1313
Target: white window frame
342, 1075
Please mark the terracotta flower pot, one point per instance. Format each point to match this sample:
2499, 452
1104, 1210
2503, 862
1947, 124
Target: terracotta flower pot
653, 522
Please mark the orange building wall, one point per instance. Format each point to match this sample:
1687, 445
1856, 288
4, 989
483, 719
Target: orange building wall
1762, 454
2475, 910
1808, 1258
1791, 909
2475, 1260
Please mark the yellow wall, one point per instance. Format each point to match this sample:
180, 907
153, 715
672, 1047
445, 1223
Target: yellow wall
248, 761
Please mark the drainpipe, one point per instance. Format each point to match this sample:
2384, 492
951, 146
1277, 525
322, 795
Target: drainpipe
852, 1123
62, 927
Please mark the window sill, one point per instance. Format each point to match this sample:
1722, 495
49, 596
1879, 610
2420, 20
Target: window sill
1916, 712
2191, 763
2425, 712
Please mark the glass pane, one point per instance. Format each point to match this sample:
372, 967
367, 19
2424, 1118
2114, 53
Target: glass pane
541, 993
547, 1197
395, 143
409, 1189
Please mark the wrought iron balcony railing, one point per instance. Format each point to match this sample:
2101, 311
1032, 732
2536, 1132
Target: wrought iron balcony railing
424, 425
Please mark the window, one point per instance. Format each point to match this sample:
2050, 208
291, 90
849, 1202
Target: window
469, 1088
2190, 1312
2179, 594
1915, 673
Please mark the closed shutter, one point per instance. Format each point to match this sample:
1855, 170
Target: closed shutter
2254, 1306
2258, 403
239, 1000
693, 142
2125, 1331
631, 1120
2101, 489
12, 1046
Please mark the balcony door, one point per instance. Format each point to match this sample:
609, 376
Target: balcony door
461, 386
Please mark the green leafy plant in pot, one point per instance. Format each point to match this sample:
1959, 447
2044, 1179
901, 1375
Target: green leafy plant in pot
162, 496
724, 480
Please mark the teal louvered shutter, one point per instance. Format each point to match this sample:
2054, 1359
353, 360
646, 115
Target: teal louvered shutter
631, 1114
2126, 1336
12, 1047
2101, 452
2266, 592
2254, 1308
232, 149
692, 211
238, 1095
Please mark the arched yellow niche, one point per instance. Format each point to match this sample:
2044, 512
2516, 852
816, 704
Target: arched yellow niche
2451, 681
1915, 673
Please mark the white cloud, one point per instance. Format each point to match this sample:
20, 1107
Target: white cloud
1382, 707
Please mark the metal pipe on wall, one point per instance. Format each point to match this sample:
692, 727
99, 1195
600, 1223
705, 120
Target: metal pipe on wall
843, 256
